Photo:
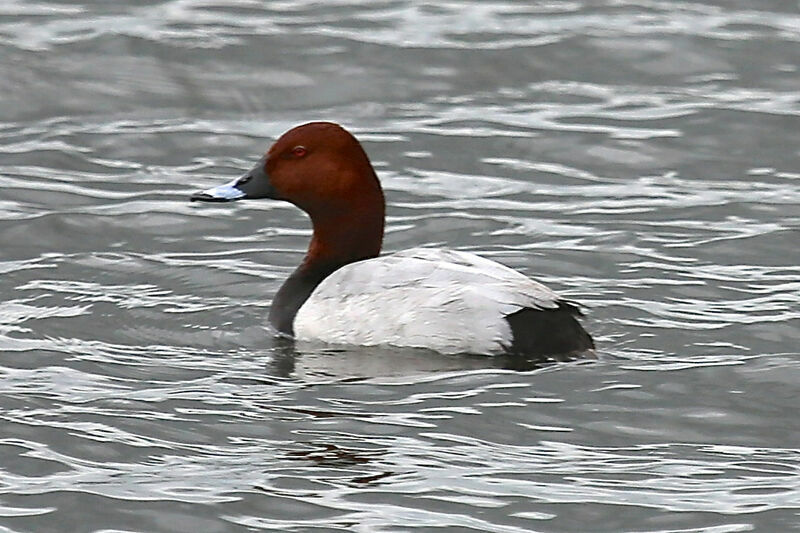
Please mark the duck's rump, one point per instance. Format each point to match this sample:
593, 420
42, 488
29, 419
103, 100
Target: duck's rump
444, 300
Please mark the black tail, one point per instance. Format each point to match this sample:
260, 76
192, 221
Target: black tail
549, 333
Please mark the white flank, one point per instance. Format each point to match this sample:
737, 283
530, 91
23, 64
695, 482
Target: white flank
444, 300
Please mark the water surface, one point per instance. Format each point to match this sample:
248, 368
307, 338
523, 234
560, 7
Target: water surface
640, 157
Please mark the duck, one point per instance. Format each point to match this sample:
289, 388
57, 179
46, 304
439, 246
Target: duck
344, 292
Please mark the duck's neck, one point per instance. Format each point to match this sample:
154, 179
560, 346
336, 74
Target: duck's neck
336, 242
293, 294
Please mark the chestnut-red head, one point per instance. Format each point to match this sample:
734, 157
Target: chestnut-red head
322, 169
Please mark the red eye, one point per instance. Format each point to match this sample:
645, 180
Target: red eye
299, 151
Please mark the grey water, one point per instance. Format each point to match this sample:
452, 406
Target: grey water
641, 157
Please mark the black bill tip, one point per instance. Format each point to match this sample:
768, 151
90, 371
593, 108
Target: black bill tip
202, 196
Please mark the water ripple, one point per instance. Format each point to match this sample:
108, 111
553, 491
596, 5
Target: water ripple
637, 156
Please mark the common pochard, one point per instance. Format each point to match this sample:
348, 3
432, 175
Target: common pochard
343, 292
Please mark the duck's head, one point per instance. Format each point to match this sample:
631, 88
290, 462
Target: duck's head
322, 169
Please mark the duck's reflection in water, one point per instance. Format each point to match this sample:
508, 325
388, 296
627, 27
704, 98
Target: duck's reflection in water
315, 361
